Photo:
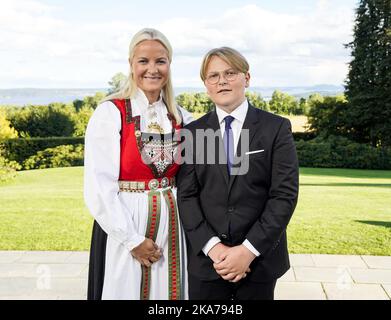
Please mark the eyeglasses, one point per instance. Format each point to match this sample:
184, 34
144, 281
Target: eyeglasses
214, 77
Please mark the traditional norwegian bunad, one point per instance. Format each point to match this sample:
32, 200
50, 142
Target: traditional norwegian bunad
130, 191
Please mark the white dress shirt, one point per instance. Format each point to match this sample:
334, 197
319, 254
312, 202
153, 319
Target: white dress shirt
155, 112
240, 115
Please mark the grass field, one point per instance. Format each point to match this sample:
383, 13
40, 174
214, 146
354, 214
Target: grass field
339, 212
299, 123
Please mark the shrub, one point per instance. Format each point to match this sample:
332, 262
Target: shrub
60, 156
53, 120
340, 152
326, 116
6, 130
81, 119
307, 135
21, 149
257, 101
195, 102
7, 168
283, 103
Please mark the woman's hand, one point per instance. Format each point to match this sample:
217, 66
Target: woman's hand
147, 252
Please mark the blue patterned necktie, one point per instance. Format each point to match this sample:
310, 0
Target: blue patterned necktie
228, 140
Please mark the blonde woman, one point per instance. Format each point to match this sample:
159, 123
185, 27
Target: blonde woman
138, 247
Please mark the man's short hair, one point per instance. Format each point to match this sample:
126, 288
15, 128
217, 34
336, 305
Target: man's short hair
231, 56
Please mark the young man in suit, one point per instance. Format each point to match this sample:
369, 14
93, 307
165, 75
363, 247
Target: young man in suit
235, 214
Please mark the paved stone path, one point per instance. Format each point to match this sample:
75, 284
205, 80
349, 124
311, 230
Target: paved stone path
63, 275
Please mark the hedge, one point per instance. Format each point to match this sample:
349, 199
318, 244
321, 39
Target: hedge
304, 136
58, 157
331, 152
21, 149
339, 152
7, 169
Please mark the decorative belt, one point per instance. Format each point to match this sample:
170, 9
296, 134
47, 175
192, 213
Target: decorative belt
175, 272
146, 184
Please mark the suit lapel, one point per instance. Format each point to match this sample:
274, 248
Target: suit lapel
213, 123
250, 124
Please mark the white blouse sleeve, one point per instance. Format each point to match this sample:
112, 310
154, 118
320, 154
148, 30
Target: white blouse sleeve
101, 172
187, 117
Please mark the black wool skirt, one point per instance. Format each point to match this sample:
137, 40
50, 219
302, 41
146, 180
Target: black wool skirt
96, 271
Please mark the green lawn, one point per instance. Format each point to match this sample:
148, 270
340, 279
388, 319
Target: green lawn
339, 211
44, 210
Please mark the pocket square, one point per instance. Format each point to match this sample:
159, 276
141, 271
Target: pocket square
255, 151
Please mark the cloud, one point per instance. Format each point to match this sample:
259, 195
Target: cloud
283, 49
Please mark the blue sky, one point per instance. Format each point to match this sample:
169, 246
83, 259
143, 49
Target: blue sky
68, 44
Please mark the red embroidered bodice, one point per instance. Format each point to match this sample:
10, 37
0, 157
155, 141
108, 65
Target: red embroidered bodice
136, 146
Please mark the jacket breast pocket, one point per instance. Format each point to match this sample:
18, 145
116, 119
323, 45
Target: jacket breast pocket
255, 154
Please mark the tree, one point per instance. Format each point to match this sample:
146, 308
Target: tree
314, 99
88, 101
186, 100
6, 130
81, 119
368, 87
7, 168
195, 102
283, 103
303, 106
257, 101
203, 103
116, 82
53, 120
326, 116
93, 101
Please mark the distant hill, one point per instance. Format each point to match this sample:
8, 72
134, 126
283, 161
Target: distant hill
300, 92
34, 96
23, 96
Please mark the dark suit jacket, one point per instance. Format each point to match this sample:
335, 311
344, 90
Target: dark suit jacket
256, 205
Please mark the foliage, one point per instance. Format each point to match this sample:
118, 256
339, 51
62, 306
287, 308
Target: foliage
20, 149
306, 136
195, 102
368, 87
116, 82
81, 119
304, 106
257, 101
283, 103
53, 120
84, 109
6, 130
60, 156
340, 152
326, 116
89, 101
7, 168
312, 101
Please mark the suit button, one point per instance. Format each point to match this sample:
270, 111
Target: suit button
231, 209
224, 236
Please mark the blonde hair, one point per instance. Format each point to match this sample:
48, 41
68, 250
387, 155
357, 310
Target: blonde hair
231, 56
129, 88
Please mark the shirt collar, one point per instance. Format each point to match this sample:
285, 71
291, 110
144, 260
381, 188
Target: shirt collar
142, 99
239, 113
